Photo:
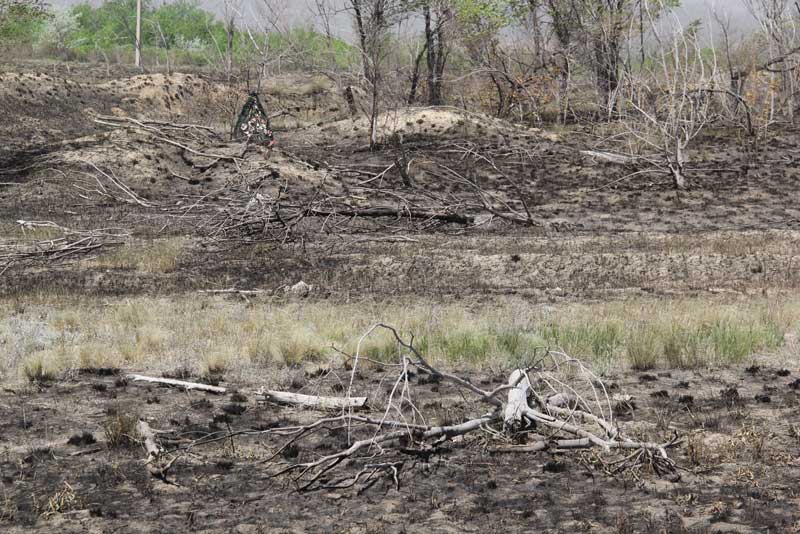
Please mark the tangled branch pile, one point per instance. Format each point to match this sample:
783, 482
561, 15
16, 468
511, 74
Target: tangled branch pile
555, 404
74, 243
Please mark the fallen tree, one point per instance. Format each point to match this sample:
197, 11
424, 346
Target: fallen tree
555, 404
552, 404
188, 386
310, 401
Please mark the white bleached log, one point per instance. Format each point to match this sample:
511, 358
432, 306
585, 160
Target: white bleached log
311, 401
610, 157
178, 384
158, 463
517, 403
148, 436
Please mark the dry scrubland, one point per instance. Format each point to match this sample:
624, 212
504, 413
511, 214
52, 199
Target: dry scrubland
685, 305
44, 339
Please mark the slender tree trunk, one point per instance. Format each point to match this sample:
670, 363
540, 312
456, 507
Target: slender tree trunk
436, 52
412, 94
607, 71
230, 30
431, 50
138, 44
676, 167
373, 130
533, 6
501, 95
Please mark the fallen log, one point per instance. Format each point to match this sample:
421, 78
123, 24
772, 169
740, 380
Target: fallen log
517, 401
178, 383
399, 212
609, 157
157, 462
153, 449
232, 291
311, 401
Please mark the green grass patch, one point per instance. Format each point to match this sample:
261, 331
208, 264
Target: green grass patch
222, 334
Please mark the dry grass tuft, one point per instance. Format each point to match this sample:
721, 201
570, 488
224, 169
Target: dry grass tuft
121, 430
158, 256
44, 366
64, 500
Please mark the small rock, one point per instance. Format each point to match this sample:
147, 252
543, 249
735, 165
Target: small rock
300, 289
314, 370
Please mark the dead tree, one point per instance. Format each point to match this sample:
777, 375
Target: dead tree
555, 404
372, 19
780, 30
669, 104
231, 13
437, 15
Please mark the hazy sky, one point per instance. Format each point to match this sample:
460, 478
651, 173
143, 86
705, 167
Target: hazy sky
299, 11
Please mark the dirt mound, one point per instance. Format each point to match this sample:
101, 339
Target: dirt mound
161, 93
160, 172
30, 86
440, 122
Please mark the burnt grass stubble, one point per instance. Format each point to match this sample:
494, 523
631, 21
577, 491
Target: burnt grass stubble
637, 237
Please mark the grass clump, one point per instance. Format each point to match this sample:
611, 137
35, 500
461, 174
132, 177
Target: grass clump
681, 348
38, 371
642, 348
157, 256
121, 430
214, 366
733, 341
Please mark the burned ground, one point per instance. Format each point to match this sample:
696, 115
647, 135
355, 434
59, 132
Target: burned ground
595, 233
737, 469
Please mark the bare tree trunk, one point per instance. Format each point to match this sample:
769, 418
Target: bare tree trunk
371, 24
436, 50
676, 167
230, 30
607, 71
138, 43
412, 93
536, 27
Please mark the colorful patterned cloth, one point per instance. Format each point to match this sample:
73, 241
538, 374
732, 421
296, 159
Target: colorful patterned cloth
253, 123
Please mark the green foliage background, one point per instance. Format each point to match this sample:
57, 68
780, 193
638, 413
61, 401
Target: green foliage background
181, 28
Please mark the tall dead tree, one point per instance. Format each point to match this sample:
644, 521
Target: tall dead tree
138, 33
605, 23
778, 21
437, 15
669, 102
565, 23
372, 19
230, 14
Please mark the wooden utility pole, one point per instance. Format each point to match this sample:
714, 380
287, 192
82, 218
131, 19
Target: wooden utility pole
138, 33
